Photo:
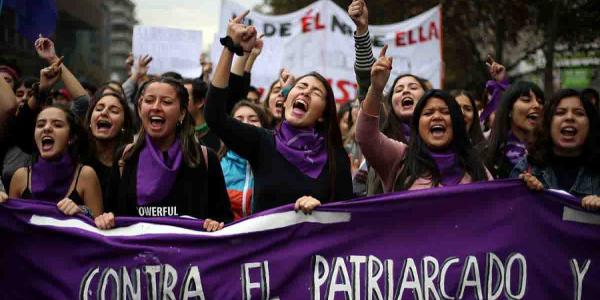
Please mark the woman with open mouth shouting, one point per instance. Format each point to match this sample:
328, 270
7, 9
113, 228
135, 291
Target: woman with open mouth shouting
519, 111
55, 174
439, 152
566, 154
402, 96
302, 160
167, 172
109, 127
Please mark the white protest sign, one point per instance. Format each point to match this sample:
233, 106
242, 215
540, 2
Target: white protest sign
171, 49
320, 38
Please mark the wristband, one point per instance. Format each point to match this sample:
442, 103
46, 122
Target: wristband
227, 42
285, 91
86, 211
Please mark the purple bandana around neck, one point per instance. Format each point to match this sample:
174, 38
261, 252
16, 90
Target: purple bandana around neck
405, 127
304, 148
515, 150
51, 179
155, 176
495, 89
451, 173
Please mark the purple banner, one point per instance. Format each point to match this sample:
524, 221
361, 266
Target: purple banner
493, 240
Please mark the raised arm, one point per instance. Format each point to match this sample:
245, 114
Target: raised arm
45, 49
380, 151
239, 137
364, 59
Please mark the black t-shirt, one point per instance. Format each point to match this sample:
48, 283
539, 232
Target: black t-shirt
198, 192
276, 180
103, 172
566, 170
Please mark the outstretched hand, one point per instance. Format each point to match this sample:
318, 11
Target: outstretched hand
212, 225
359, 13
50, 75
306, 204
142, 66
286, 79
591, 202
531, 181
45, 49
258, 46
242, 35
497, 71
380, 72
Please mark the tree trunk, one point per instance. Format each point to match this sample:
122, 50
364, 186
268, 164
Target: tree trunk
550, 41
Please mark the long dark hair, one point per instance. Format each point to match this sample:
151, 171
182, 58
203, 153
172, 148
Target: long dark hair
125, 136
475, 133
330, 128
502, 121
391, 126
418, 162
77, 135
192, 154
541, 152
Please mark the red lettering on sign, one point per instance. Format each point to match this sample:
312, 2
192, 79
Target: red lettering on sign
308, 20
433, 31
400, 39
318, 25
411, 41
421, 37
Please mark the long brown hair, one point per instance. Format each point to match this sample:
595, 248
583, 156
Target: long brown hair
192, 154
330, 128
126, 133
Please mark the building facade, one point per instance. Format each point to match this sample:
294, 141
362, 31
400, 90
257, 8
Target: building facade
120, 20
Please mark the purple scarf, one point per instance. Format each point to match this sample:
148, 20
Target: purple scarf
495, 89
304, 148
451, 173
405, 131
515, 150
155, 176
51, 179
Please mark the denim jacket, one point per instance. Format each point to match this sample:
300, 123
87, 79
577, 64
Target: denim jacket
587, 181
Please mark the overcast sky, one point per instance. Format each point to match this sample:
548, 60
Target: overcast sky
185, 14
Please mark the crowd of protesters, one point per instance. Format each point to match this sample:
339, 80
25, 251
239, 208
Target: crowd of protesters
209, 148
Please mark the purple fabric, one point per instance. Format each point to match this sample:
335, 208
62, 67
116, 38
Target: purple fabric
155, 176
462, 234
451, 172
515, 150
305, 148
51, 179
495, 89
406, 131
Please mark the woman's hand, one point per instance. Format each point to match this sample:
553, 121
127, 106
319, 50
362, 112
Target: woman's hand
531, 181
380, 72
306, 204
242, 35
212, 225
497, 71
360, 15
105, 221
3, 197
50, 75
142, 66
68, 207
45, 49
591, 202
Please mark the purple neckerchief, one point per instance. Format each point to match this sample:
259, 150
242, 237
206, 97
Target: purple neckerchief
305, 148
451, 172
51, 179
405, 131
495, 89
515, 150
155, 177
